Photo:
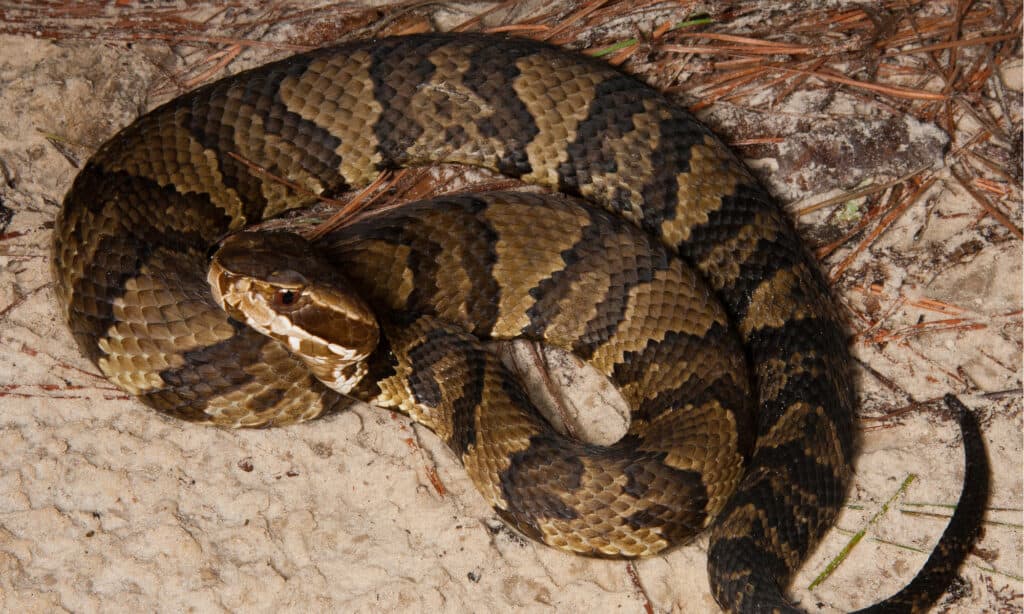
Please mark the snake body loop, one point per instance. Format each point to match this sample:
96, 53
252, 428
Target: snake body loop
690, 254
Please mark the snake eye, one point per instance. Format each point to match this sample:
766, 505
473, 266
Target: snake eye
286, 298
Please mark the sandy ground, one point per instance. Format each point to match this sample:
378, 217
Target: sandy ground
107, 506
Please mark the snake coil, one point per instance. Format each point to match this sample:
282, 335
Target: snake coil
690, 254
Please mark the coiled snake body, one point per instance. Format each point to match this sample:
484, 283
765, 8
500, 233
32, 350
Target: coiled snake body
691, 257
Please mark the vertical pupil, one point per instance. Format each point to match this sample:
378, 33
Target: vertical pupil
286, 297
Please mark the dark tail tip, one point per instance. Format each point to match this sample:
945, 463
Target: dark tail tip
962, 531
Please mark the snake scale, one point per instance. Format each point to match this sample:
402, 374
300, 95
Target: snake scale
688, 288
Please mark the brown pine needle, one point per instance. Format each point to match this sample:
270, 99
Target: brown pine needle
366, 197
893, 215
889, 90
865, 191
927, 304
764, 140
992, 187
223, 40
291, 184
227, 56
988, 207
965, 42
736, 49
517, 27
569, 21
951, 324
635, 579
782, 48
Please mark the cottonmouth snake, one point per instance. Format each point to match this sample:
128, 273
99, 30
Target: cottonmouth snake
767, 471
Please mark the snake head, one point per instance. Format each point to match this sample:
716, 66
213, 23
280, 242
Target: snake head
279, 286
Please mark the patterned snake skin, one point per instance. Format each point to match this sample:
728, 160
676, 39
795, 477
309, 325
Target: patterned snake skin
691, 257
